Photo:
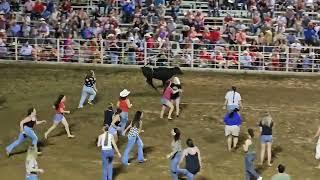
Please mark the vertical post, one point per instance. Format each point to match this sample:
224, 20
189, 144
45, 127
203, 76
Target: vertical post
58, 50
16, 48
287, 61
312, 59
263, 60
192, 54
101, 51
145, 53
239, 54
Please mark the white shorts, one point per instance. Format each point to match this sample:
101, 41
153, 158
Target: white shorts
232, 130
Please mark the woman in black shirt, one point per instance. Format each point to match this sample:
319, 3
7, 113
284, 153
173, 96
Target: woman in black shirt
266, 125
89, 88
177, 89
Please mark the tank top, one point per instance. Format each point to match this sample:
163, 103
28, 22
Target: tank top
106, 141
123, 105
60, 108
192, 163
252, 148
30, 124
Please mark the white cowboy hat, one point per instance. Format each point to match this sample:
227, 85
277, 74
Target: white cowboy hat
110, 35
124, 93
147, 35
42, 19
176, 80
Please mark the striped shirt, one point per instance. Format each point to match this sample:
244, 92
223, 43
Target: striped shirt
134, 132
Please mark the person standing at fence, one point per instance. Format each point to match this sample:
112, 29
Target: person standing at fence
124, 104
107, 143
32, 169
250, 150
317, 156
59, 117
266, 125
134, 138
232, 100
26, 130
166, 100
232, 122
89, 88
175, 154
177, 90
193, 160
131, 51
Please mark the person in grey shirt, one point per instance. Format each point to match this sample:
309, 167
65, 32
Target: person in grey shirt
281, 174
26, 51
32, 165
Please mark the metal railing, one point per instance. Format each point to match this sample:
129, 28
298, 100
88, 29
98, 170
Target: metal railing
164, 53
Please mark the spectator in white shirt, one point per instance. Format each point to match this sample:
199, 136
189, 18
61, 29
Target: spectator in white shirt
232, 100
26, 51
32, 165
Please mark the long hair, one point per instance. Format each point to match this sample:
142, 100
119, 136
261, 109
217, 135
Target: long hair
57, 102
266, 119
176, 137
251, 132
90, 74
118, 111
30, 110
136, 120
190, 143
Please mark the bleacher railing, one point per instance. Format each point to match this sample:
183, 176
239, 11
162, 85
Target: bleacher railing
165, 53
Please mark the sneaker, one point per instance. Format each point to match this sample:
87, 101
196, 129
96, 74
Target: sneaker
80, 107
170, 118
46, 135
144, 160
71, 136
8, 154
89, 102
260, 178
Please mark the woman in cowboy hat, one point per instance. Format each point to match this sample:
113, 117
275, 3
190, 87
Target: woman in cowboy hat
124, 104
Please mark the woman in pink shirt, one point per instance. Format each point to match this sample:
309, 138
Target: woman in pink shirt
166, 100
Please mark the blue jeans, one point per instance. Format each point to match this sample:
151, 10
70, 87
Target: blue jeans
85, 92
124, 117
185, 173
250, 171
131, 142
114, 58
31, 177
131, 58
27, 131
174, 166
107, 158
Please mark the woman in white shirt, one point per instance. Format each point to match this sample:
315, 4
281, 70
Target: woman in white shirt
107, 143
317, 156
232, 100
31, 164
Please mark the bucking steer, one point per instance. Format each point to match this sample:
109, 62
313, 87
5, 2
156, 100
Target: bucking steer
160, 73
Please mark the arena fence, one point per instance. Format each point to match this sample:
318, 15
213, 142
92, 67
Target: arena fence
164, 53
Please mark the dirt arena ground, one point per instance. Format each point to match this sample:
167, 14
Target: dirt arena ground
293, 102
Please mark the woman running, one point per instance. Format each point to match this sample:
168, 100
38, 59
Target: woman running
317, 135
232, 123
89, 88
26, 130
107, 143
193, 160
175, 155
124, 104
177, 89
166, 100
266, 125
32, 165
59, 117
113, 128
134, 138
250, 150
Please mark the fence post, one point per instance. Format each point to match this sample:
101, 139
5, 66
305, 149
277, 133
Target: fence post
312, 59
287, 61
145, 53
192, 54
16, 48
101, 51
239, 54
58, 50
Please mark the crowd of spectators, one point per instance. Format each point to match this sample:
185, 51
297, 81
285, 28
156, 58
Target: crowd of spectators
269, 34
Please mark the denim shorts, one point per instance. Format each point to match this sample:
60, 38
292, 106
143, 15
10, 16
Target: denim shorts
266, 139
165, 102
58, 118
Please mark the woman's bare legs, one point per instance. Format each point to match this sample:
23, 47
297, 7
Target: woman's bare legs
262, 152
54, 125
66, 126
269, 148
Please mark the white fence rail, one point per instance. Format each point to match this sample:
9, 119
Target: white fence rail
166, 53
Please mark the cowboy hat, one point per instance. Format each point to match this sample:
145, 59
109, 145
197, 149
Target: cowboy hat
110, 35
176, 81
147, 35
124, 93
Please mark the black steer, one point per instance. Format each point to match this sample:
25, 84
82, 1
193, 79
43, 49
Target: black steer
160, 73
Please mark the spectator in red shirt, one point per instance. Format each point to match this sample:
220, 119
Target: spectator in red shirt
204, 57
215, 35
38, 9
149, 41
